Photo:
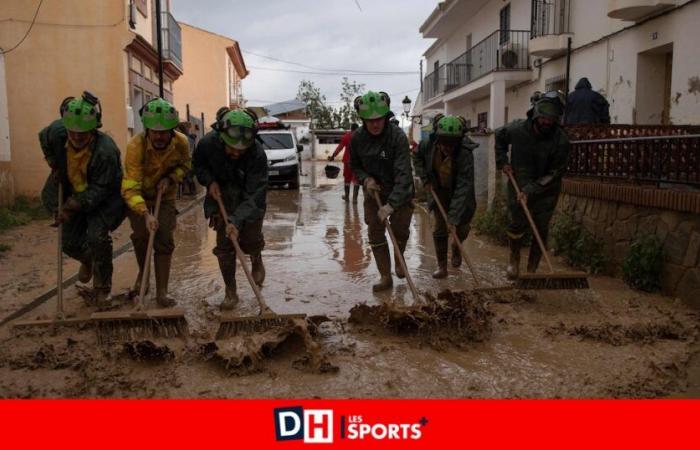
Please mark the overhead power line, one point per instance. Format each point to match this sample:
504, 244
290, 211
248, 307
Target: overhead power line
31, 25
393, 74
321, 69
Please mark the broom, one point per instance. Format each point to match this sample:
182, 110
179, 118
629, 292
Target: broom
479, 287
140, 322
551, 280
267, 319
60, 318
397, 253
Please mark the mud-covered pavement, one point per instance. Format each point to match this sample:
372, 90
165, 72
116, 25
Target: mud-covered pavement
608, 341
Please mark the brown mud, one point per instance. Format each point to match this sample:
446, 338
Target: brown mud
608, 341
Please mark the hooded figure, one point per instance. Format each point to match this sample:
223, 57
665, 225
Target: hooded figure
585, 106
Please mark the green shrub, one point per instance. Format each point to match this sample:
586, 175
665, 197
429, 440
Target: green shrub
641, 268
493, 222
578, 246
22, 212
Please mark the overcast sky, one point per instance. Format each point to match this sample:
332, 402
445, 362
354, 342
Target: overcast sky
379, 35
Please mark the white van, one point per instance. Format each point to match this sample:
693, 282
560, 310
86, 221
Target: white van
283, 153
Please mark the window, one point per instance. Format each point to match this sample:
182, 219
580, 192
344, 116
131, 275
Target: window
504, 23
482, 120
557, 83
147, 72
135, 63
276, 141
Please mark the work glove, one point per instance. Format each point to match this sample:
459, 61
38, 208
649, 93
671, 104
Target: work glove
371, 185
151, 222
331, 157
507, 169
163, 184
232, 232
72, 205
384, 212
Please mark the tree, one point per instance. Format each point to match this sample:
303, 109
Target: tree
316, 108
349, 90
324, 116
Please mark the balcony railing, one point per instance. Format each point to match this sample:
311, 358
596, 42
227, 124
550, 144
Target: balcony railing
550, 17
489, 55
172, 40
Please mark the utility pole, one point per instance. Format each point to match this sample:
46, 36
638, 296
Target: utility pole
159, 40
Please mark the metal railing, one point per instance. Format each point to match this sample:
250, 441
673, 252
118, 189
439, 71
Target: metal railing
550, 17
489, 55
640, 154
172, 40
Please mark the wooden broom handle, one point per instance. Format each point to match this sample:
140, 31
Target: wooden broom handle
535, 232
397, 252
149, 253
264, 309
456, 238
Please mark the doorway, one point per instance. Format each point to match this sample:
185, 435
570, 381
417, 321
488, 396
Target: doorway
654, 77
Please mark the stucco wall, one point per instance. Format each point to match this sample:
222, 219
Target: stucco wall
204, 82
74, 46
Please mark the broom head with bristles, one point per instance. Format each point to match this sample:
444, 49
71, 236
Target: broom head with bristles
133, 325
559, 280
234, 326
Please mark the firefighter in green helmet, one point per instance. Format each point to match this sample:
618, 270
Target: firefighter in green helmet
231, 163
157, 160
381, 161
445, 163
87, 164
536, 152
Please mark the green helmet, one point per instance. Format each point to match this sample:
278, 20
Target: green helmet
450, 127
159, 115
372, 105
81, 115
550, 104
237, 129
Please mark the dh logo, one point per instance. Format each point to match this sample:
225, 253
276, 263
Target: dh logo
314, 426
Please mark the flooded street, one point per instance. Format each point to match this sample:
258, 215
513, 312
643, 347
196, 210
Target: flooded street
608, 341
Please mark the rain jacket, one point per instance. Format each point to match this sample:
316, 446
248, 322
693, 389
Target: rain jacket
585, 105
538, 162
386, 158
461, 195
102, 177
51, 138
243, 182
146, 166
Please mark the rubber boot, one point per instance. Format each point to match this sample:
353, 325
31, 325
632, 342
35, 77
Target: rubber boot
533, 259
383, 261
227, 265
441, 256
346, 196
85, 271
231, 298
140, 258
456, 255
258, 269
398, 269
513, 270
355, 192
162, 268
102, 276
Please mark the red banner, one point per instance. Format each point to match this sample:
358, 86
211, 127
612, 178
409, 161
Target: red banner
215, 424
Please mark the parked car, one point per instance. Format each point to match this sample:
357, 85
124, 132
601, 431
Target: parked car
283, 153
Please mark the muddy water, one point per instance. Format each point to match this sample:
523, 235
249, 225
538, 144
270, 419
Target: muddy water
607, 341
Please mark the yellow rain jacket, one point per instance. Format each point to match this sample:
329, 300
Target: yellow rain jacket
145, 167
77, 162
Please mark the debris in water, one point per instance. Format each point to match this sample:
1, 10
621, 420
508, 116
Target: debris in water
148, 351
454, 316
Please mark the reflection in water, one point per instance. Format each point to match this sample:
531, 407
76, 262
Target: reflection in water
356, 254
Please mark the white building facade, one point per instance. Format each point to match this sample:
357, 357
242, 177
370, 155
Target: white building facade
489, 56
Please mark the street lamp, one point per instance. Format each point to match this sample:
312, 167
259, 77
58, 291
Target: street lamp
406, 102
